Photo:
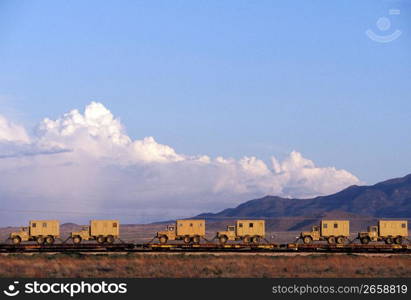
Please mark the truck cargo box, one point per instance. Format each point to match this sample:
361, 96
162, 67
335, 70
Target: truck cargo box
393, 228
44, 227
251, 227
190, 227
335, 228
105, 228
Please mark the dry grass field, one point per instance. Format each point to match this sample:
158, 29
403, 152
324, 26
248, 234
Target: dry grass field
203, 265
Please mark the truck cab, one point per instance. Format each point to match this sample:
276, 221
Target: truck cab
168, 234
228, 235
313, 235
19, 236
371, 235
83, 234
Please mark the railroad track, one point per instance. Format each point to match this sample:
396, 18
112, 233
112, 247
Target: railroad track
130, 247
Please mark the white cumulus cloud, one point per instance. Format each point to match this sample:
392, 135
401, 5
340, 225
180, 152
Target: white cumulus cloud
11, 132
86, 165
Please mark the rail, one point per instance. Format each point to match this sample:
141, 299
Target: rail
235, 248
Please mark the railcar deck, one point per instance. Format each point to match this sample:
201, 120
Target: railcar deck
154, 247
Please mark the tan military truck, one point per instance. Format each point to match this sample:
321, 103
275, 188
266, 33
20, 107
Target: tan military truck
102, 231
245, 230
332, 231
190, 231
41, 231
387, 231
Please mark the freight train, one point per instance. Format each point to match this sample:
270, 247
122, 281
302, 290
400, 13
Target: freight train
192, 232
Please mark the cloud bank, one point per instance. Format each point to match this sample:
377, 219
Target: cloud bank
84, 165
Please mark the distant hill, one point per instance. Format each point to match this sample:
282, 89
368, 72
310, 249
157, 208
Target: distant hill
387, 199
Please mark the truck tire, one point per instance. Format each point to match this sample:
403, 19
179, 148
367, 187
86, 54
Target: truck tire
49, 240
16, 240
365, 240
255, 239
247, 239
196, 239
340, 240
40, 240
110, 239
163, 239
77, 239
223, 239
398, 240
307, 239
101, 239
331, 240
186, 240
388, 240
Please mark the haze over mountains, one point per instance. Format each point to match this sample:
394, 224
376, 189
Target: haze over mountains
387, 199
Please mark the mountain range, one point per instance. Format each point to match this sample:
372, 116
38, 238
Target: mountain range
387, 199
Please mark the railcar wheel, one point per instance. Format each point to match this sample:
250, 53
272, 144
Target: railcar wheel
388, 240
16, 240
77, 239
163, 239
49, 240
247, 239
398, 240
187, 240
307, 240
40, 240
110, 239
255, 239
223, 239
340, 240
196, 239
331, 240
101, 239
365, 240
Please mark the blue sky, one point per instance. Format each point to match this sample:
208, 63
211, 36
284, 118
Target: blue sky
229, 78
